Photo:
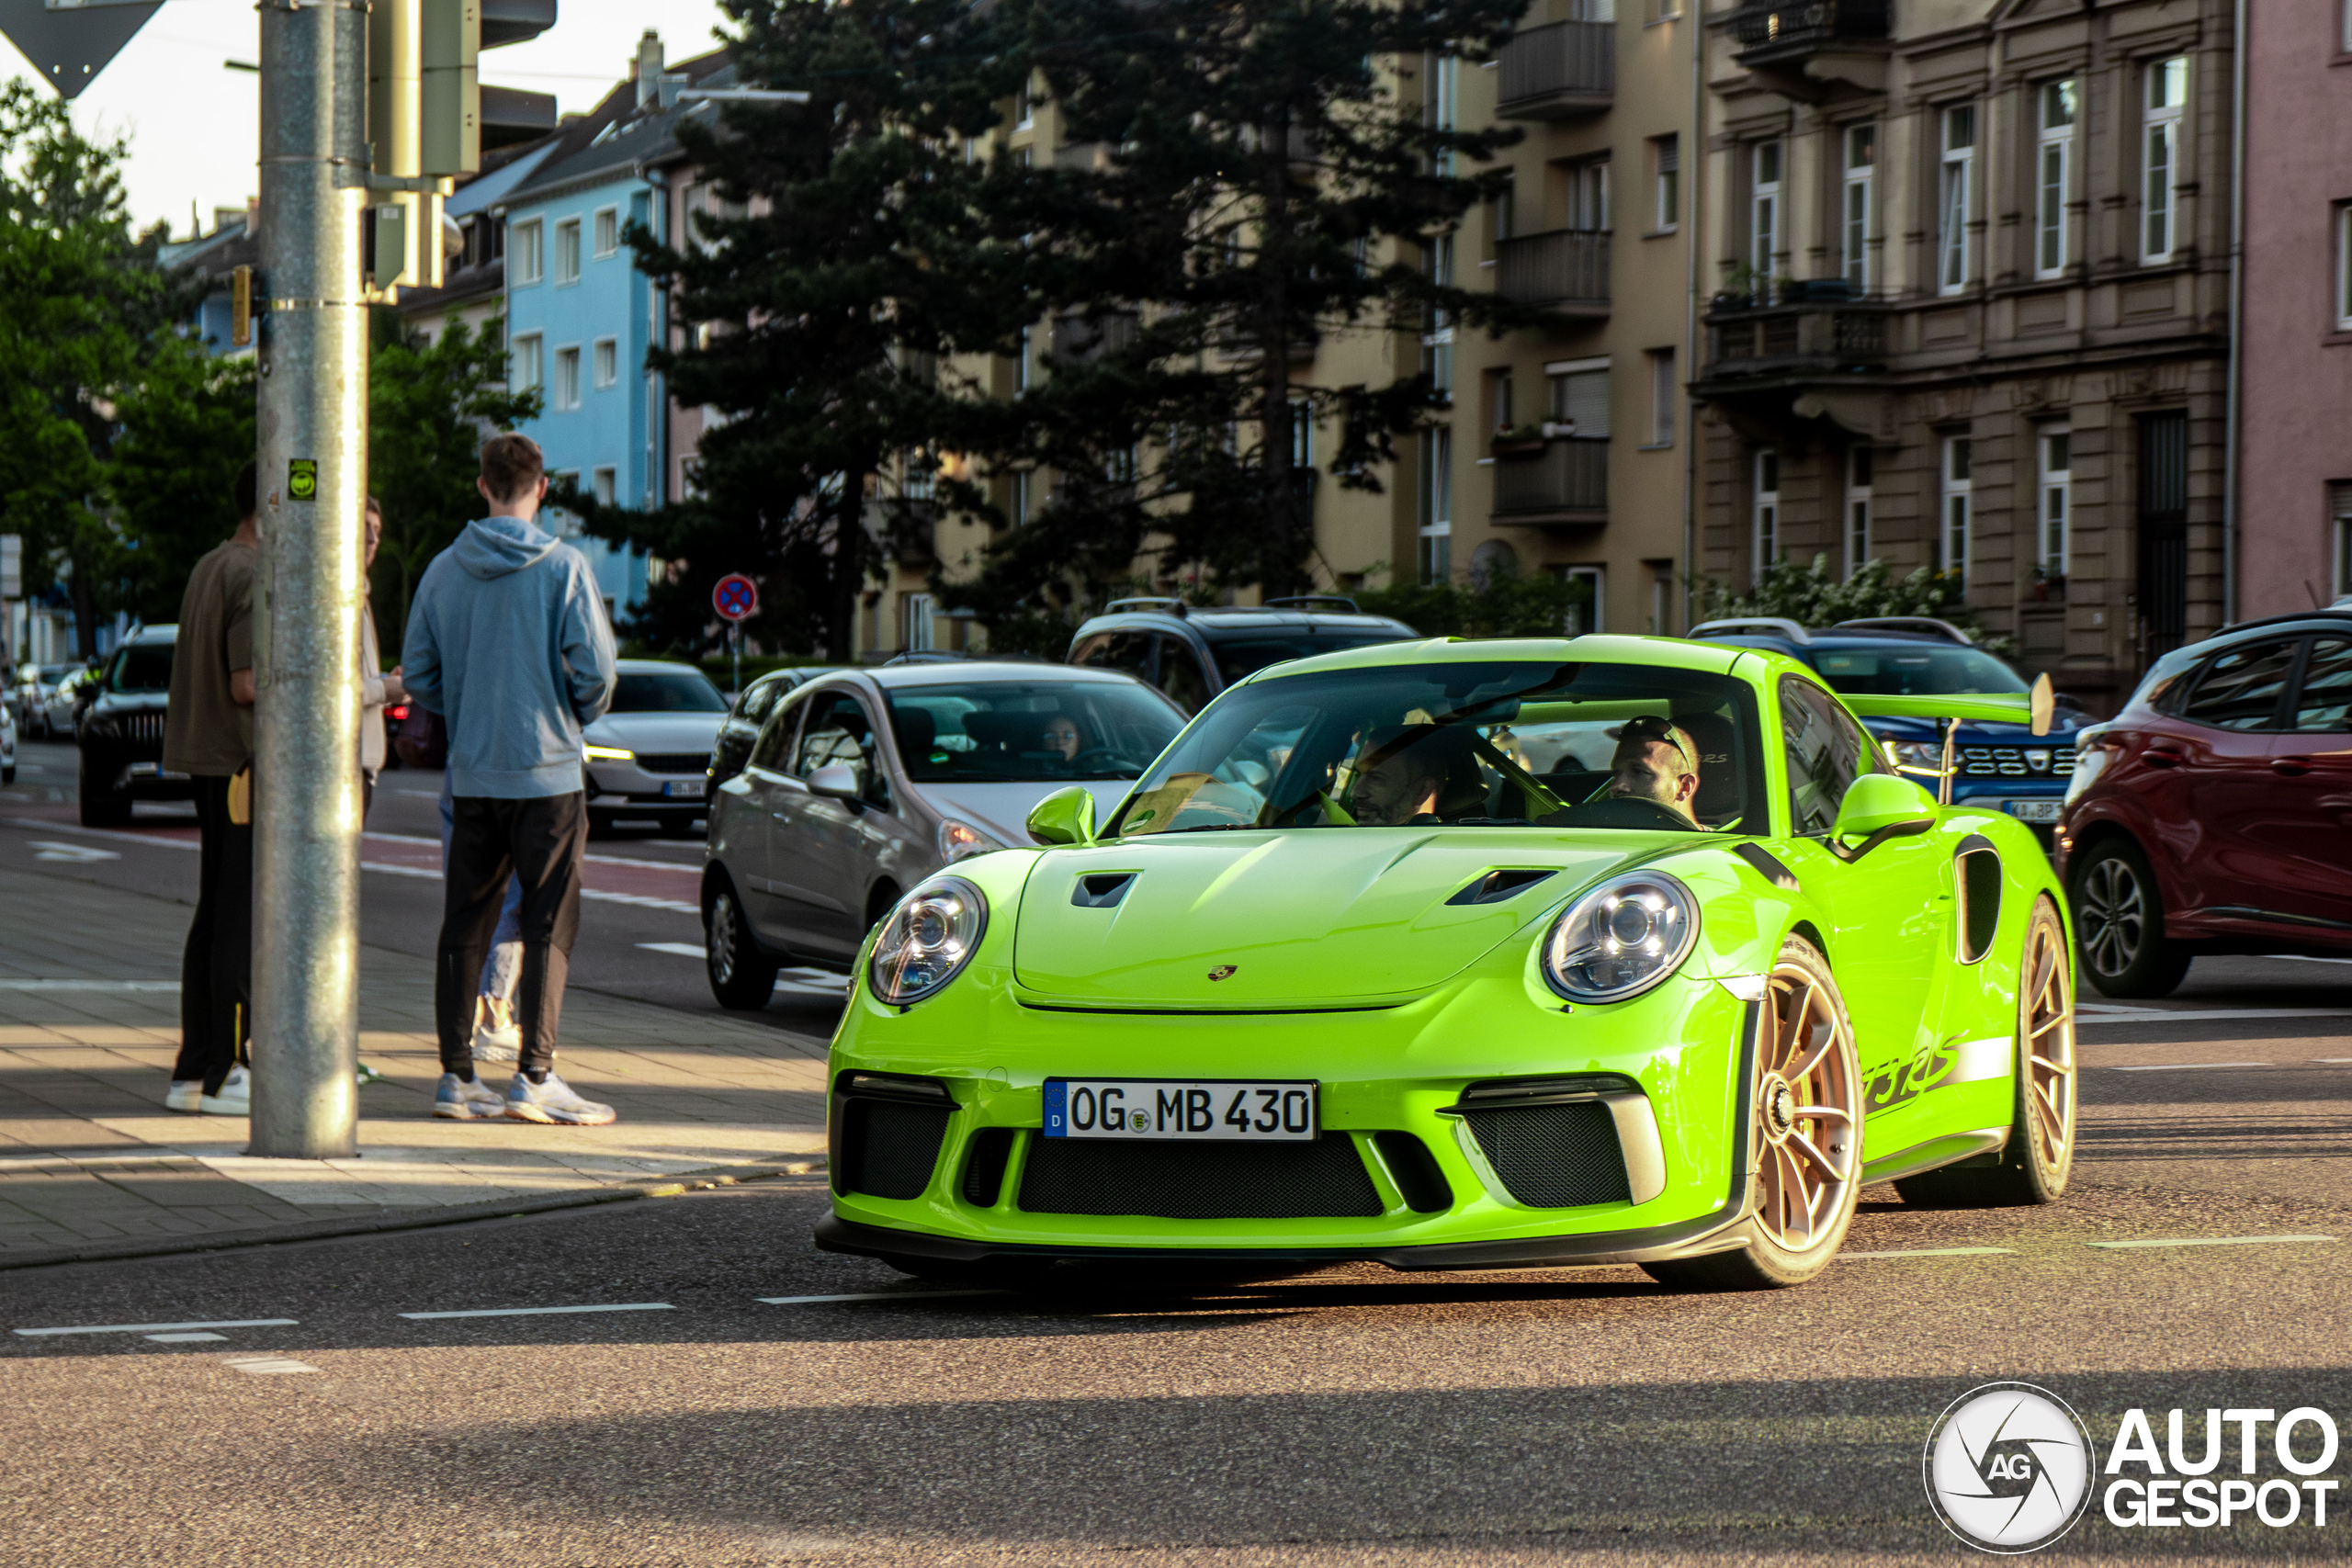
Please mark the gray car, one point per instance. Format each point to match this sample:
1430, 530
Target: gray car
648, 757
862, 783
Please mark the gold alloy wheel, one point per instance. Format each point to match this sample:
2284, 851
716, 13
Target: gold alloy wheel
1808, 1112
2047, 984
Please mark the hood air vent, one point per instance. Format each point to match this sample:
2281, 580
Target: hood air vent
1101, 890
1497, 886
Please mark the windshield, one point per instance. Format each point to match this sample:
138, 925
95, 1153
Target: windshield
1238, 657
686, 691
1565, 745
142, 667
1030, 731
1921, 671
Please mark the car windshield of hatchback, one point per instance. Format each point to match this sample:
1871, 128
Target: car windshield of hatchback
686, 691
1244, 656
142, 667
1519, 744
1030, 731
1922, 671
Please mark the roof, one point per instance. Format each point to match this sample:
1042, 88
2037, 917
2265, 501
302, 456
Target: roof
614, 141
655, 667
980, 671
1666, 652
1232, 620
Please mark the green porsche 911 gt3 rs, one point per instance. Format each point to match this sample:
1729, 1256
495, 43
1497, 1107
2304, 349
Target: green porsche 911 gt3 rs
1458, 954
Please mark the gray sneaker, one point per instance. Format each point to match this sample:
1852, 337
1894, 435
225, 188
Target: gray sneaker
553, 1102
457, 1101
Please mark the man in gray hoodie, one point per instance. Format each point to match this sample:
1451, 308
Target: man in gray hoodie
507, 641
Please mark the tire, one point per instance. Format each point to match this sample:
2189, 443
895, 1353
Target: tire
103, 808
2120, 915
742, 976
8, 774
681, 829
1805, 1137
599, 825
2039, 1154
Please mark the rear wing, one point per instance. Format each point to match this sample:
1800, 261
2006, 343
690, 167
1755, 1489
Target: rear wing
2034, 709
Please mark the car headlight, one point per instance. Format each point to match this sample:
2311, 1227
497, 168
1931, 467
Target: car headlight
606, 754
961, 840
927, 939
1621, 939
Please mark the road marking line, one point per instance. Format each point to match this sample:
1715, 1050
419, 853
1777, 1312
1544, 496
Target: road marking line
872, 1296
188, 1338
2210, 1015
1930, 1252
685, 867
110, 833
2305, 958
543, 1312
810, 981
2208, 1241
167, 1327
2334, 1061
683, 949
640, 900
82, 855
2188, 1066
89, 985
270, 1366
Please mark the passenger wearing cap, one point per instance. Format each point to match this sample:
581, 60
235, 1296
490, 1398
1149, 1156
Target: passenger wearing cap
1655, 760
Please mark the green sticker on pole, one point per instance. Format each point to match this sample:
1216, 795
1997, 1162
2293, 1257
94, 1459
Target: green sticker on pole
302, 478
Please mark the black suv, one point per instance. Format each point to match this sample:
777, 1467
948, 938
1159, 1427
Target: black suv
1192, 654
121, 731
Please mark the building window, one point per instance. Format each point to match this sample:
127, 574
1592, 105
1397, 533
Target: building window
608, 362
1665, 393
1502, 217
1587, 195
523, 252
1436, 530
1661, 598
1666, 156
1020, 363
608, 230
2344, 265
1587, 617
1764, 518
1854, 216
1951, 536
567, 377
921, 623
2339, 496
1441, 103
1862, 467
2057, 504
1763, 214
1955, 258
1502, 402
1437, 356
566, 251
2059, 105
1018, 511
1302, 438
1579, 397
603, 484
2160, 157
1025, 109
527, 375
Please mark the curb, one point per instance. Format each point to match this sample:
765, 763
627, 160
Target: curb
406, 1219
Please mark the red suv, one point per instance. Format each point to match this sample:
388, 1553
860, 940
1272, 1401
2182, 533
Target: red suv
2214, 813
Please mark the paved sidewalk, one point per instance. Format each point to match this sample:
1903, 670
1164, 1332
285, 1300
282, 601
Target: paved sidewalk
91, 1165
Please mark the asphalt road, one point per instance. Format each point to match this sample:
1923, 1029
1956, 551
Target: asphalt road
1354, 1415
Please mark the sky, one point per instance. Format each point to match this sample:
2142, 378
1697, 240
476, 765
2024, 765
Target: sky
192, 122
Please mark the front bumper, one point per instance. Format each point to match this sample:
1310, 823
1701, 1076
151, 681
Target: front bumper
624, 789
1683, 1053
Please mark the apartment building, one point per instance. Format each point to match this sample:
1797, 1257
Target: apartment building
1969, 274
2294, 486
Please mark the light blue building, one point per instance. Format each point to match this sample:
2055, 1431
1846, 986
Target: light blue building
580, 317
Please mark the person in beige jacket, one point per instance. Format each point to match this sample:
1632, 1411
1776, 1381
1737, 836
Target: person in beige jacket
378, 691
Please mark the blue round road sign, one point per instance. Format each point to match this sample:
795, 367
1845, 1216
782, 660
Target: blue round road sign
735, 597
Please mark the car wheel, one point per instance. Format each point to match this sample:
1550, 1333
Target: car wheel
8, 774
102, 809
2119, 922
1805, 1130
742, 977
684, 827
2039, 1157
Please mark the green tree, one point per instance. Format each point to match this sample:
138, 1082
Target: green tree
1497, 603
186, 428
1249, 184
1810, 596
429, 408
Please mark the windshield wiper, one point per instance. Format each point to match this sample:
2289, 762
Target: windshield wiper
1492, 822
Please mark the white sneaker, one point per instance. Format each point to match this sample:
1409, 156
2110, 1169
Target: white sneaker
553, 1102
184, 1094
457, 1101
498, 1037
235, 1098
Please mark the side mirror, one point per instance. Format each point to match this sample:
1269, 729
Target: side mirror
835, 781
2042, 703
1879, 807
1065, 816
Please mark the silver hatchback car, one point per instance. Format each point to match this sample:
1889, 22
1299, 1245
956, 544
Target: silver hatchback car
864, 781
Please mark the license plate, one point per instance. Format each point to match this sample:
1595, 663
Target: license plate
2035, 811
684, 789
1200, 1109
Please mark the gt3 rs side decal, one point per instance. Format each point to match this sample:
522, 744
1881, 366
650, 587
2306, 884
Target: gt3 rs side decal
1899, 1083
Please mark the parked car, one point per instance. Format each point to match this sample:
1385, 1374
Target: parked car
864, 781
60, 710
1193, 654
30, 694
121, 731
648, 757
752, 708
2213, 813
2002, 767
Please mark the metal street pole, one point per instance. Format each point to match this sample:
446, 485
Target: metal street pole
313, 360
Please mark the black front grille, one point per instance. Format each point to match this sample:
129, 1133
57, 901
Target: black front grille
1553, 1156
144, 728
889, 1149
1415, 1170
1322, 1180
984, 1165
675, 762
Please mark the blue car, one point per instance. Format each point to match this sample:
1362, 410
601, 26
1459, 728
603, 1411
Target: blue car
2001, 765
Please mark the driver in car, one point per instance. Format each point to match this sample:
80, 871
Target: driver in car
1062, 738
1410, 774
1655, 760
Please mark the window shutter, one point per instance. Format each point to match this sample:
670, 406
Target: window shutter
1583, 396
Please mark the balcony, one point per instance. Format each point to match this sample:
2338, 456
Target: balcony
1563, 269
1567, 482
1801, 48
1835, 334
1558, 72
